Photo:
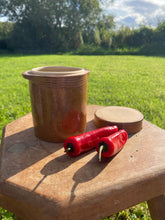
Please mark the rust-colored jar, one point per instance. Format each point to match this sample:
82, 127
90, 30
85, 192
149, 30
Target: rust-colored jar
58, 100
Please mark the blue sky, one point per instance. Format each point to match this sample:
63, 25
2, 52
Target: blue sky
137, 12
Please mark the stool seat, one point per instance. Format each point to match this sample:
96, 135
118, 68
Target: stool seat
38, 180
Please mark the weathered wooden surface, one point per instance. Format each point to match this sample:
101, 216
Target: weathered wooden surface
157, 207
39, 181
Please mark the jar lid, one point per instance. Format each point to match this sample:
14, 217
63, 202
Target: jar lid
57, 71
125, 118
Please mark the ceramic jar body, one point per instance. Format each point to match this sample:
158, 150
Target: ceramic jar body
59, 105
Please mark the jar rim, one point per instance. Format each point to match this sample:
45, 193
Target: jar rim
57, 71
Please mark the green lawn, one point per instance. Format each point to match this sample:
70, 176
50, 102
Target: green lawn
133, 81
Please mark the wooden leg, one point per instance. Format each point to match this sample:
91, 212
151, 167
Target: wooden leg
17, 218
157, 207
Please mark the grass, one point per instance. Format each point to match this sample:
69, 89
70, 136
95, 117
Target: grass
133, 81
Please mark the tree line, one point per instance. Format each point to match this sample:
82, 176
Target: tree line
69, 25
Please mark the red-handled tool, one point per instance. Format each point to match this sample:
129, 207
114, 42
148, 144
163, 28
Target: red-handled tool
84, 142
109, 146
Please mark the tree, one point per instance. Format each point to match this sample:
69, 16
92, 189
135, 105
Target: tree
103, 29
51, 23
97, 36
120, 36
5, 32
161, 27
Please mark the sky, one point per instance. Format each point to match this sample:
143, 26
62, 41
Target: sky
134, 13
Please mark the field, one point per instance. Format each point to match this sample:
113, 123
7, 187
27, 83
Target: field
132, 81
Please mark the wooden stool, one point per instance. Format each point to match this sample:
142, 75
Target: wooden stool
39, 181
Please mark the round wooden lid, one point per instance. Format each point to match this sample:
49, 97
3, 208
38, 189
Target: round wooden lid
124, 117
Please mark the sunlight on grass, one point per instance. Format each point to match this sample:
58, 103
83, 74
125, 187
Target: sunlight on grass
132, 81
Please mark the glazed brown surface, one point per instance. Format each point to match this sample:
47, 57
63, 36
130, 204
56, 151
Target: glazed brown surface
58, 105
